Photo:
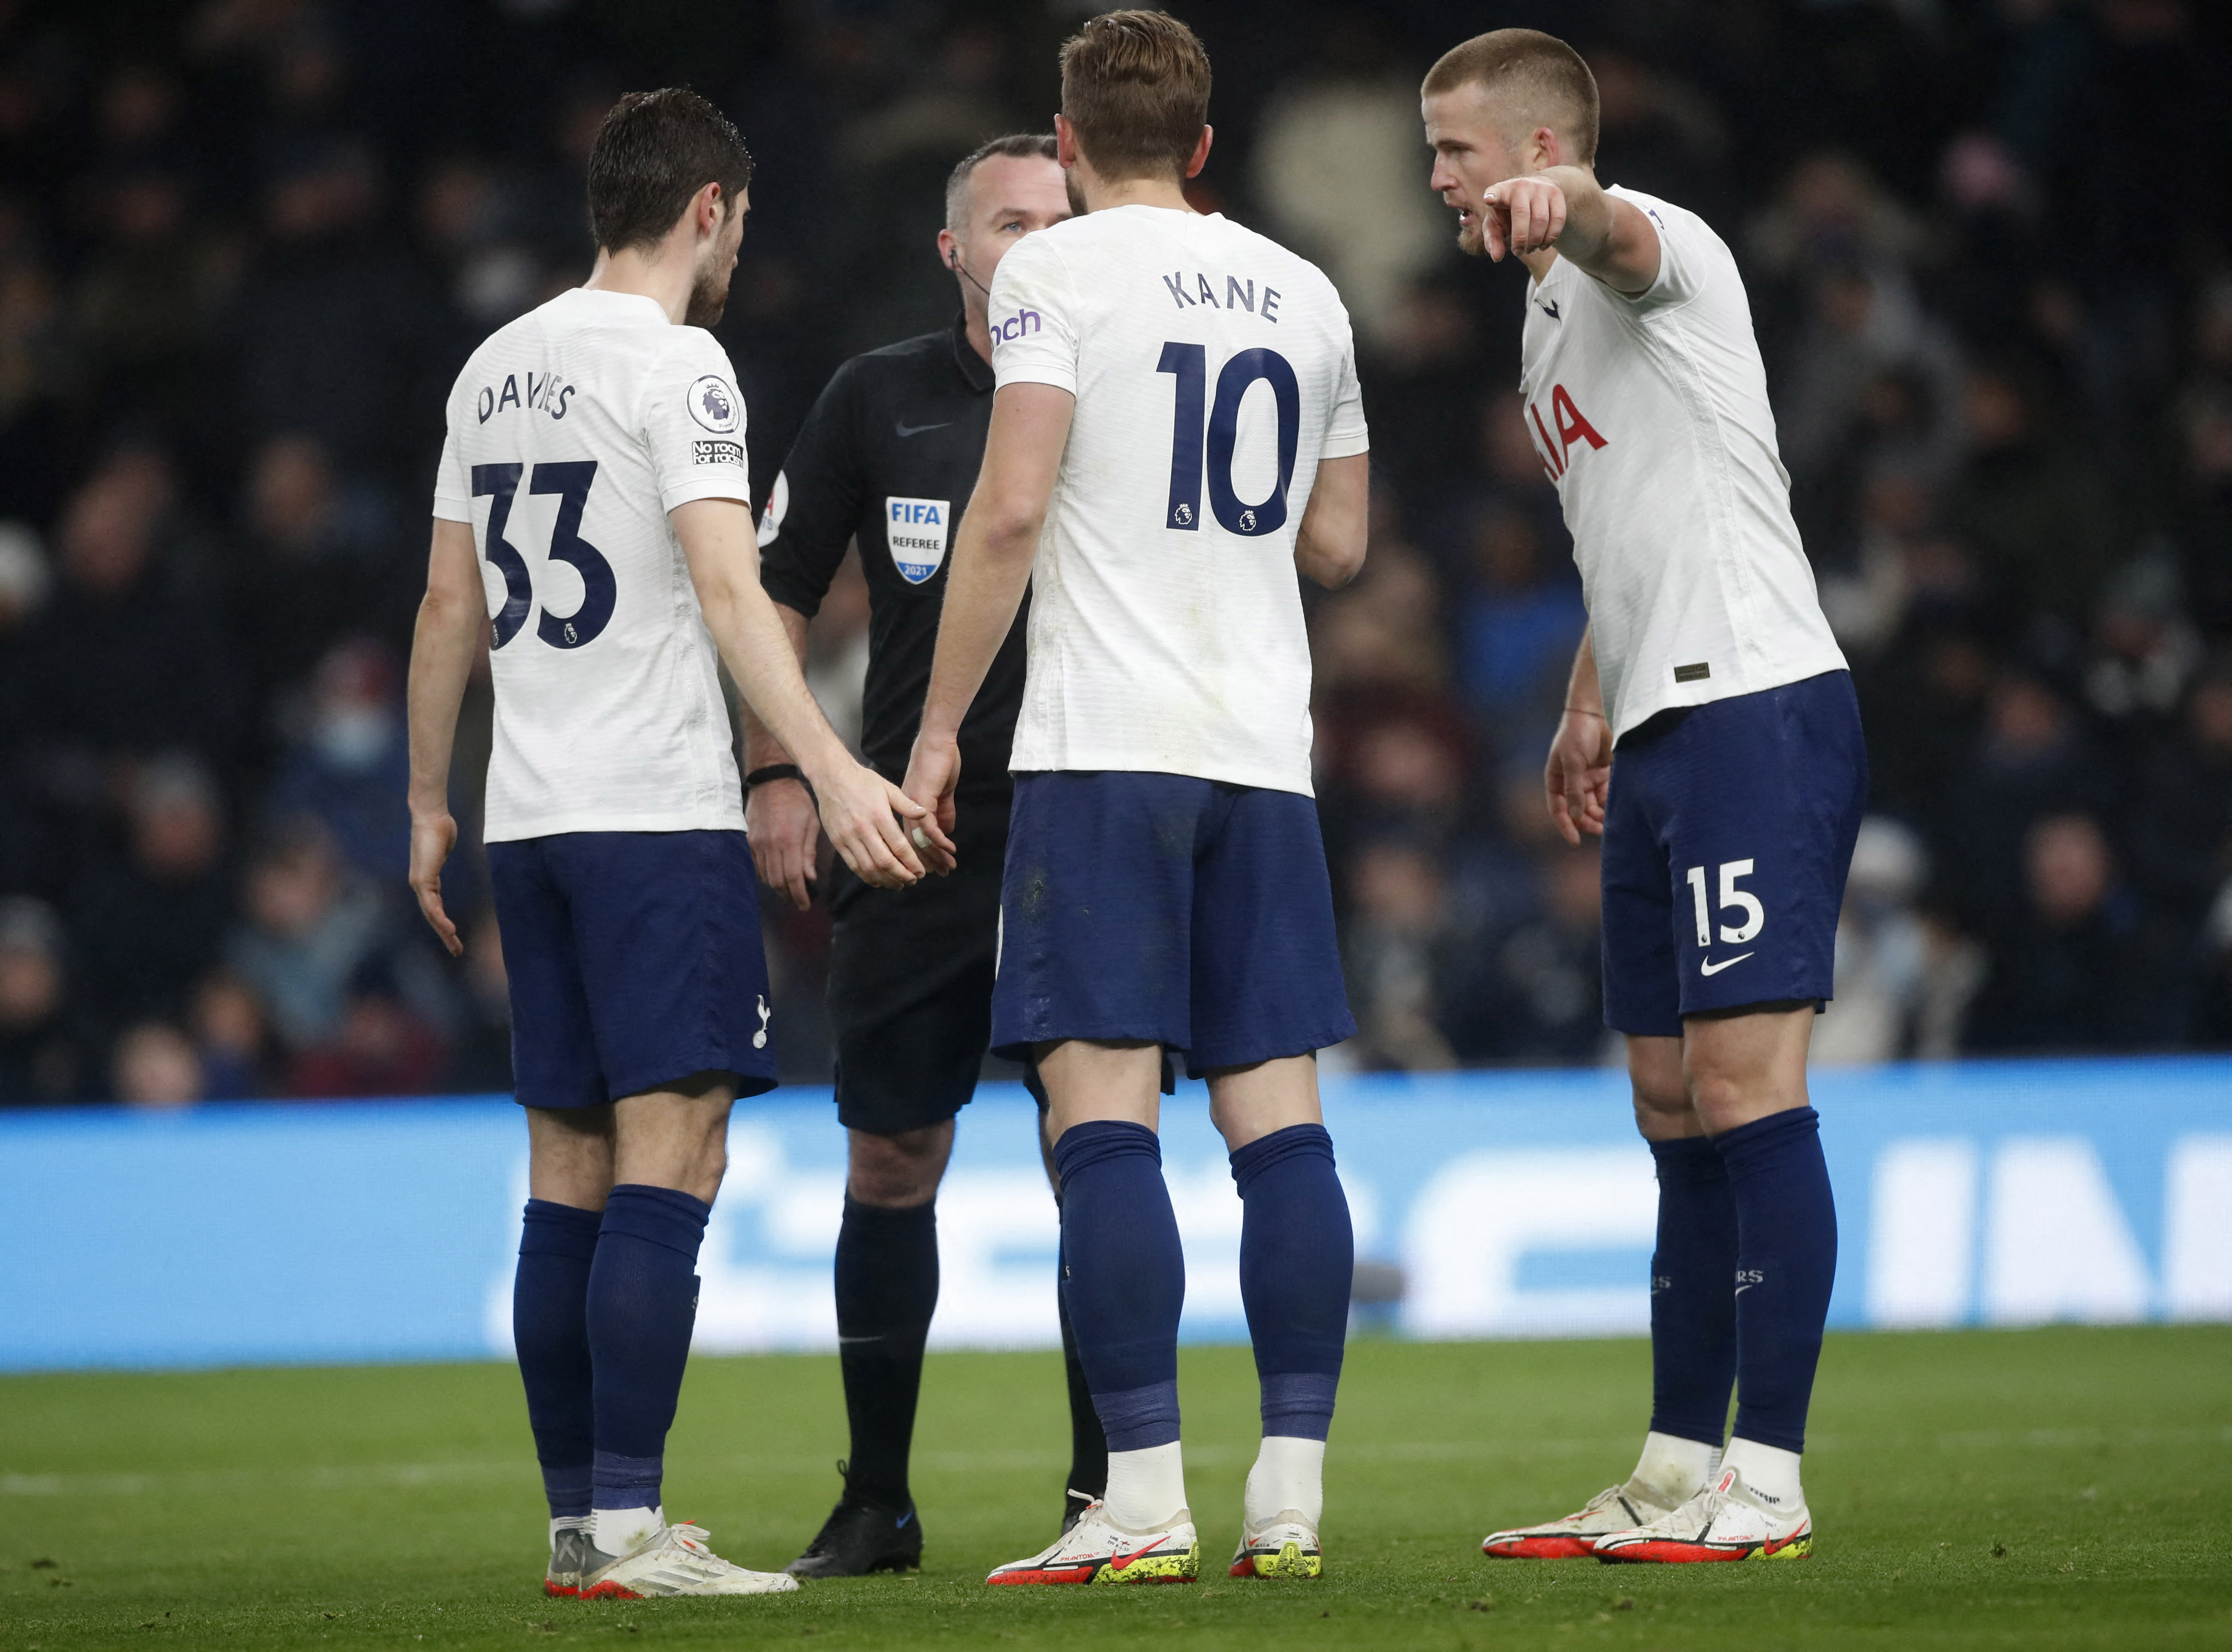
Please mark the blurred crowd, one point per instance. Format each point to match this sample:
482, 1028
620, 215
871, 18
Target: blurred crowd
246, 245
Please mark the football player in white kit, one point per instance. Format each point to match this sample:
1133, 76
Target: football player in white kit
1711, 737
591, 506
1178, 410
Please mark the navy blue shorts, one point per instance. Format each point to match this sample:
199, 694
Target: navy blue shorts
1727, 838
634, 959
1170, 910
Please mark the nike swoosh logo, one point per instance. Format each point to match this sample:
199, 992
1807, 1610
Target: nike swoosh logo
916, 430
1118, 1562
1742, 1288
1709, 967
1551, 310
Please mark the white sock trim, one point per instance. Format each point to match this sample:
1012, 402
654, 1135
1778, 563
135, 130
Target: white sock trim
616, 1531
1146, 1488
1677, 1469
1289, 1473
1770, 1473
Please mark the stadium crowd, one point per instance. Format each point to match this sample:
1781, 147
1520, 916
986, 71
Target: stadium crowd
246, 245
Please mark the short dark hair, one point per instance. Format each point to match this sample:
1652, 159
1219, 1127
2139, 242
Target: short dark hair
654, 151
1135, 84
1016, 145
1553, 85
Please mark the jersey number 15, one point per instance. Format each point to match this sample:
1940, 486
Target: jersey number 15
1190, 363
570, 482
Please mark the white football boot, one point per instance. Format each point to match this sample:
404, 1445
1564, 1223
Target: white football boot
1096, 1551
1616, 1508
674, 1560
1284, 1546
1726, 1521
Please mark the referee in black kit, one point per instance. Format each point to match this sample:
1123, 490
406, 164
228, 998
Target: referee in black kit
888, 455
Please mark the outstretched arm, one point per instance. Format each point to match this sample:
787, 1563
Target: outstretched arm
858, 806
450, 616
1577, 778
992, 551
1565, 207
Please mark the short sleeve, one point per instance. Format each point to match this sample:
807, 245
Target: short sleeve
1684, 251
1033, 317
453, 493
693, 420
1347, 434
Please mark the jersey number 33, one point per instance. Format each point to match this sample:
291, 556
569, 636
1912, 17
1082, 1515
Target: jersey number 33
570, 481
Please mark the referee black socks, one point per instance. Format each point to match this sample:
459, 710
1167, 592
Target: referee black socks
887, 1291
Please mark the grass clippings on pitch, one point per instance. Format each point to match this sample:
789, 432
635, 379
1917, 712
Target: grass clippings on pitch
2051, 1489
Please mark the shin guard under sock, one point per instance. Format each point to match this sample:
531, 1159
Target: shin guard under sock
1693, 1303
887, 1292
1786, 1263
549, 1329
642, 1307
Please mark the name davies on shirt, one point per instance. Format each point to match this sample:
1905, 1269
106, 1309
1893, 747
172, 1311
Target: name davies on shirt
547, 393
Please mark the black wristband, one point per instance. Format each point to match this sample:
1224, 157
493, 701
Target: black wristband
776, 771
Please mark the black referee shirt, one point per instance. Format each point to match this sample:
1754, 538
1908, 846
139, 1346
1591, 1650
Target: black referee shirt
889, 454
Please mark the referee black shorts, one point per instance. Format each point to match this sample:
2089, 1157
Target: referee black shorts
911, 981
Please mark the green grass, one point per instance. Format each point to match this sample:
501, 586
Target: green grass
2050, 1488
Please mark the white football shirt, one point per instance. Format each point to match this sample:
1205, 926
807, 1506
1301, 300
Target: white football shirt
1213, 369
1651, 416
573, 431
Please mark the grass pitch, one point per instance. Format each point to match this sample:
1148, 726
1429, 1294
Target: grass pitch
2050, 1488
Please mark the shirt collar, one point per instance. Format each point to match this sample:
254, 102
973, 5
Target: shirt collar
974, 368
638, 305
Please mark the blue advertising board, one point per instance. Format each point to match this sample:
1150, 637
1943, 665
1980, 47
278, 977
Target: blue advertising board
1510, 1204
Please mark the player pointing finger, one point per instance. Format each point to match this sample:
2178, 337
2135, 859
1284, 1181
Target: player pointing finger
1524, 215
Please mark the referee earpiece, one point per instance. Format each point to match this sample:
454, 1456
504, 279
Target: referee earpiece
953, 262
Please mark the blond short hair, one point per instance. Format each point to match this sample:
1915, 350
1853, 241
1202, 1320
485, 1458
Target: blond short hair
1542, 78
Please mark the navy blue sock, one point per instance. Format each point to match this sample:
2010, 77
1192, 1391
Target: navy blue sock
550, 1328
1297, 1261
1786, 1262
1693, 1304
1088, 1445
643, 1305
1123, 1278
887, 1291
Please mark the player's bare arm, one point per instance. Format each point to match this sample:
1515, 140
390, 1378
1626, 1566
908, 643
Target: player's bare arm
1577, 780
996, 544
451, 618
1565, 210
1330, 544
858, 806
780, 818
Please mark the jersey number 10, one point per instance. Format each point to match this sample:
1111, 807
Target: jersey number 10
1190, 363
570, 482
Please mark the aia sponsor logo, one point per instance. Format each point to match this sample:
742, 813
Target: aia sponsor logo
1571, 426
